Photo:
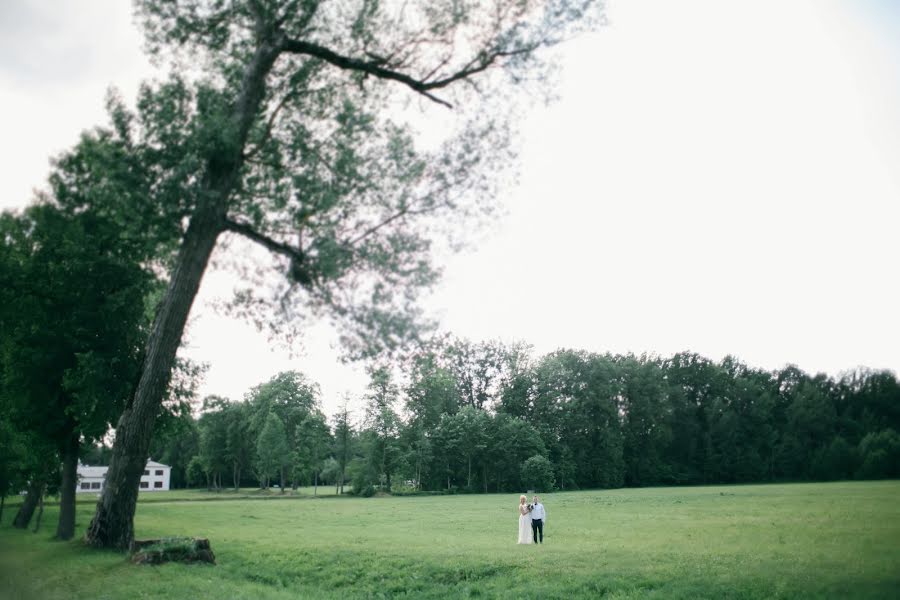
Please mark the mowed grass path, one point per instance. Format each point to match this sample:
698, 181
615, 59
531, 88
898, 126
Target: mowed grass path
838, 540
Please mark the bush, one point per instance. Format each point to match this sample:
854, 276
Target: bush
362, 475
537, 474
368, 491
880, 454
838, 460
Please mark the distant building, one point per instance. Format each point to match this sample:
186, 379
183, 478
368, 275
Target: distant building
155, 478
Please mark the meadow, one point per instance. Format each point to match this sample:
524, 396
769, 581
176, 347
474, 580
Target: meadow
834, 540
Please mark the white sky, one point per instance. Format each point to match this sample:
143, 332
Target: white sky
721, 177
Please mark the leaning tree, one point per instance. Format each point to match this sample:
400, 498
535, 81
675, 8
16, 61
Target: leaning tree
286, 122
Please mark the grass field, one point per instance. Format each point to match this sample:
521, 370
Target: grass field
839, 540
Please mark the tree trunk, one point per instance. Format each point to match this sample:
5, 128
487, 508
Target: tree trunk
65, 529
37, 523
237, 477
2, 503
384, 461
113, 523
26, 511
316, 484
469, 477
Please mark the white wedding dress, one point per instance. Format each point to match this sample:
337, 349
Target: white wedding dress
524, 527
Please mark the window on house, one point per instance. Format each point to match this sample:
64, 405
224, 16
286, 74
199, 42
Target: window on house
159, 472
85, 485
95, 485
144, 485
157, 484
146, 472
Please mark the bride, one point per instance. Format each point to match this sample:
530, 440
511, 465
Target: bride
524, 522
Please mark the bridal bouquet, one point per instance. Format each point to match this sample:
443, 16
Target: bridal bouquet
530, 507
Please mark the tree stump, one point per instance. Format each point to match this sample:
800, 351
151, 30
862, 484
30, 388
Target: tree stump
159, 551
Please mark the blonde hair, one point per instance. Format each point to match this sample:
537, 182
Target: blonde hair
522, 499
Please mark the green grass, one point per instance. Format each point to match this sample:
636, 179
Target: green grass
838, 540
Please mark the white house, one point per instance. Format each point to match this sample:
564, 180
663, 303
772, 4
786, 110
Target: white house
155, 478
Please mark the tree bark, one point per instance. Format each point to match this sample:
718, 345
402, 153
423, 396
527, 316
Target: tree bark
282, 480
113, 522
2, 504
26, 511
65, 529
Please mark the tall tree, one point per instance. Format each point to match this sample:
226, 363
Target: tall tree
213, 448
383, 422
74, 319
471, 427
272, 452
343, 438
239, 441
313, 439
479, 370
287, 142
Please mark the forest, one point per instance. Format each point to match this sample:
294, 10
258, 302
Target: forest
487, 417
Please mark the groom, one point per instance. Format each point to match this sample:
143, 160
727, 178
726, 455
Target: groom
538, 516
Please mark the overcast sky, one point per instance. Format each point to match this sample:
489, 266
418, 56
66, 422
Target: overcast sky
721, 177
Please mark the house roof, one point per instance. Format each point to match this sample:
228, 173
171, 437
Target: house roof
86, 471
90, 471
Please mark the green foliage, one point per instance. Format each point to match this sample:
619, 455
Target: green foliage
362, 474
599, 421
880, 453
196, 471
14, 453
324, 170
272, 451
537, 474
838, 460
72, 313
383, 423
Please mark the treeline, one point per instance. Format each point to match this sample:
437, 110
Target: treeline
484, 417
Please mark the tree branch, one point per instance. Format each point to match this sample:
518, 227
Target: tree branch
248, 232
271, 121
374, 67
299, 269
403, 212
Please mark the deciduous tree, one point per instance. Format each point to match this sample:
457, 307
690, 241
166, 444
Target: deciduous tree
288, 137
